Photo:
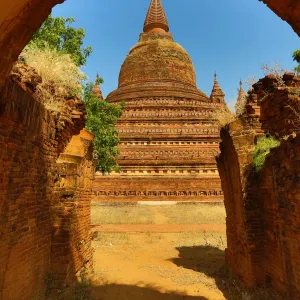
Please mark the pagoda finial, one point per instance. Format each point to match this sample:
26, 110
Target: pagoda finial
156, 19
216, 78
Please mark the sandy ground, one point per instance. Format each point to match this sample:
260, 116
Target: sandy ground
158, 266
159, 253
158, 260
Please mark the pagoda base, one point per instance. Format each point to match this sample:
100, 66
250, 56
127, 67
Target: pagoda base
118, 188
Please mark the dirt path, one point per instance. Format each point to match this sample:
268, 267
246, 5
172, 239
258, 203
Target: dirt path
158, 228
158, 261
153, 266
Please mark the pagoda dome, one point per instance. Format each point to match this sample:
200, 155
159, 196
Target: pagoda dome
157, 58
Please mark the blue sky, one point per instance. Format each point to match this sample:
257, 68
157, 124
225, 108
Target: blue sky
232, 37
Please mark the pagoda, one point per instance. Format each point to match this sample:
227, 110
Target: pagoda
169, 138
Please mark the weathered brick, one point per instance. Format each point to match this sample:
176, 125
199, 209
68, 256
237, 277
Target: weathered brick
263, 210
28, 195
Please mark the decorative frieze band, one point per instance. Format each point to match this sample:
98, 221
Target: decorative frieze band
125, 170
168, 143
170, 153
168, 101
182, 130
166, 113
171, 172
159, 193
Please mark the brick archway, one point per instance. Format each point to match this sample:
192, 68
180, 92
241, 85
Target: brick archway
18, 22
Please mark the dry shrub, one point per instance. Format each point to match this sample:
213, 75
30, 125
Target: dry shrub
50, 99
295, 119
61, 76
250, 81
276, 70
223, 115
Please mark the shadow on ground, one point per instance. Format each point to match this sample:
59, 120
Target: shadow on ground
127, 292
208, 260
205, 259
211, 261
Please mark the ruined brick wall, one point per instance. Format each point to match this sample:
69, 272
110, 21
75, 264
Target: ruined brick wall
43, 221
263, 209
288, 10
71, 239
243, 222
282, 116
280, 193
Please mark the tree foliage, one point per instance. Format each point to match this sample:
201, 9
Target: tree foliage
59, 34
296, 57
102, 117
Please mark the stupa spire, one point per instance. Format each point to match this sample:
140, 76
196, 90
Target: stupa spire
156, 19
241, 101
217, 95
97, 90
241, 90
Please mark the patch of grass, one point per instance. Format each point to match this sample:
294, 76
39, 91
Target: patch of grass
121, 215
199, 213
295, 91
194, 214
262, 149
180, 239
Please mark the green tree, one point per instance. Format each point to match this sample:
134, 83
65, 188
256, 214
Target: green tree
296, 57
59, 34
101, 120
